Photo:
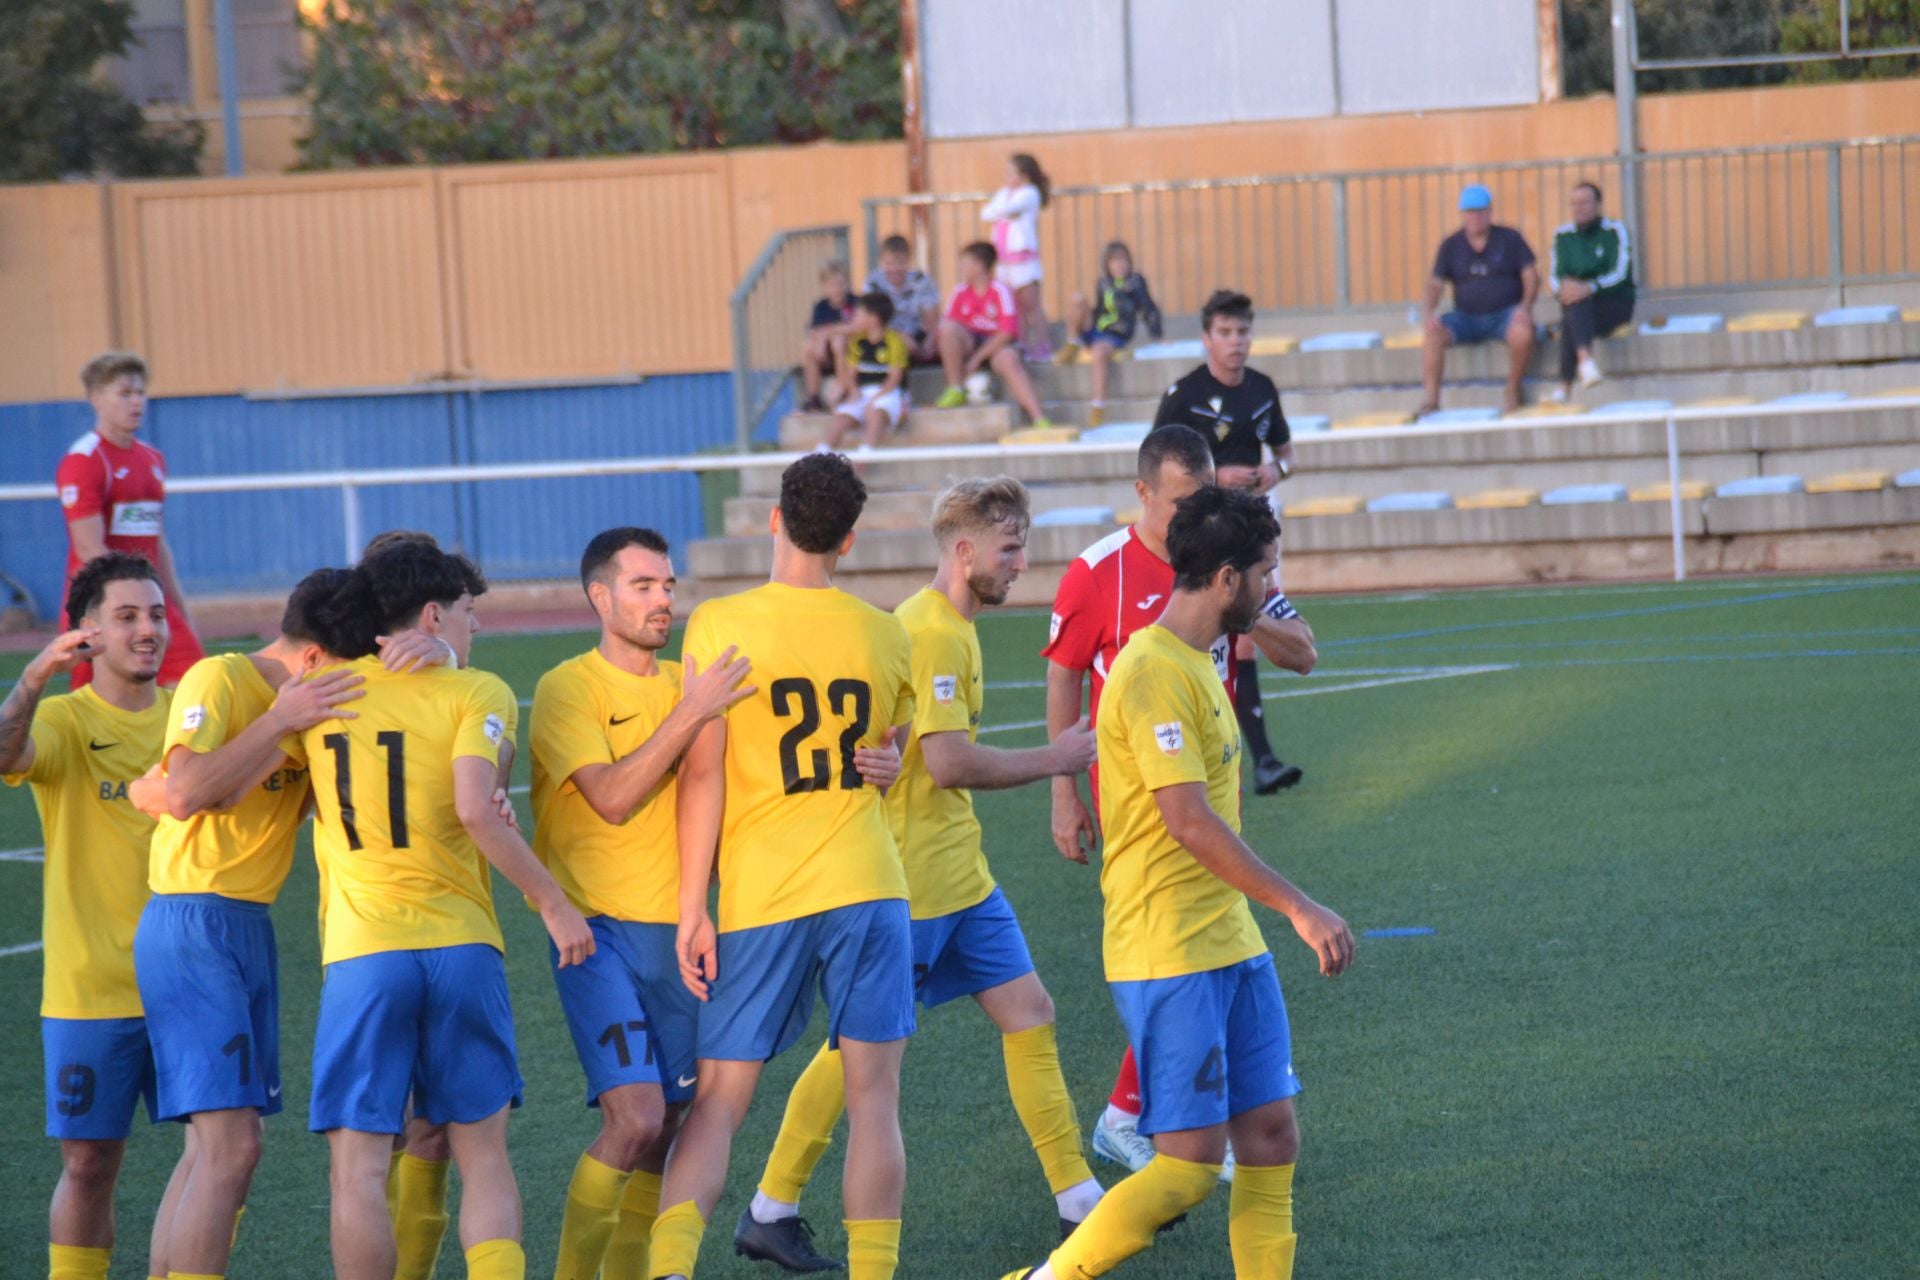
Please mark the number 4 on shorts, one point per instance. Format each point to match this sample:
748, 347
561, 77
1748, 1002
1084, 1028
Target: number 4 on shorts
1212, 1075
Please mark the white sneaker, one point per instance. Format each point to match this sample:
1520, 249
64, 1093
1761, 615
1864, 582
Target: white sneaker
1559, 395
1589, 372
1227, 1165
1120, 1140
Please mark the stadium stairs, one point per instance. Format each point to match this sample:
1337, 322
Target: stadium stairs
1606, 514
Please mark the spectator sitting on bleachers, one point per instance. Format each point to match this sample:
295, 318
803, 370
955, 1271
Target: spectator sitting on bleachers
826, 340
915, 298
1494, 280
1105, 321
874, 371
1591, 272
979, 332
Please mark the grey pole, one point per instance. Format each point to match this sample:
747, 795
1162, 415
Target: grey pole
228, 58
1625, 98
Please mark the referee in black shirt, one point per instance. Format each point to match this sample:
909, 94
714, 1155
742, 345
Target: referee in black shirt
1238, 410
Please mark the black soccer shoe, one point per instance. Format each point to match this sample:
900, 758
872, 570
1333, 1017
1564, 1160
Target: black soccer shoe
1271, 775
787, 1244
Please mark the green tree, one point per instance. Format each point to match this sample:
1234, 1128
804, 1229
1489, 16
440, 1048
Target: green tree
58, 117
413, 82
1814, 27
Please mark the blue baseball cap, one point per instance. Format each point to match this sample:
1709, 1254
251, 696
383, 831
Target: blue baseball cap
1475, 196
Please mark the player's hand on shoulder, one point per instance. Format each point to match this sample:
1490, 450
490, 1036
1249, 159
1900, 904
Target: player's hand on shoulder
695, 945
412, 649
63, 653
569, 931
302, 704
1327, 934
713, 691
1073, 833
1074, 749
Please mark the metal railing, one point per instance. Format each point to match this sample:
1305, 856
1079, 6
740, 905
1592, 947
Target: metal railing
1814, 215
350, 483
769, 310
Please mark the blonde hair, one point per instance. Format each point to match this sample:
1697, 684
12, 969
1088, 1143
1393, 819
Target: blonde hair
109, 367
978, 504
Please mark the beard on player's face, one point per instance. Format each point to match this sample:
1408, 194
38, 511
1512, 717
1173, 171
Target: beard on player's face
1240, 614
644, 622
990, 588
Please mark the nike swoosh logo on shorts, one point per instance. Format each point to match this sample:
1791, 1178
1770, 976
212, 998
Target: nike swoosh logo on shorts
686, 1083
273, 1091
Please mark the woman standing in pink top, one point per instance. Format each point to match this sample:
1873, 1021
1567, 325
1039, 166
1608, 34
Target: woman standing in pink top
1014, 212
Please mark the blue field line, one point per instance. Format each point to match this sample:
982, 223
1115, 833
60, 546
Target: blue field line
1606, 616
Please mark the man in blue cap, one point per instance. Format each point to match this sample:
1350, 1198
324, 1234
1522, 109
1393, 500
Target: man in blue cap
1494, 281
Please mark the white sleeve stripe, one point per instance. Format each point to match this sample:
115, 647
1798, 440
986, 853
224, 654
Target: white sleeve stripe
1622, 261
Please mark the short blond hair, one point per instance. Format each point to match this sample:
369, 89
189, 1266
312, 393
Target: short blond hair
980, 504
109, 367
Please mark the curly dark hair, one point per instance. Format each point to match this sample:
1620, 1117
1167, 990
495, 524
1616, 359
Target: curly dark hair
1215, 528
821, 498
89, 586
387, 591
309, 597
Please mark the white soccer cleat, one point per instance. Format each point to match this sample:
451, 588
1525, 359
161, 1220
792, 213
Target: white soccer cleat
1590, 374
1122, 1142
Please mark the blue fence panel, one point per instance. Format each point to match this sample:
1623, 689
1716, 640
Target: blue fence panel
536, 528
246, 542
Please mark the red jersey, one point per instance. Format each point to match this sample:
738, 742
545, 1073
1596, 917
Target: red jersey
127, 489
986, 311
1115, 587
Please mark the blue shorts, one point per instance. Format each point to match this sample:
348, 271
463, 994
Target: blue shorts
968, 951
861, 956
631, 1016
96, 1068
1469, 329
210, 981
1115, 338
1209, 1045
434, 1021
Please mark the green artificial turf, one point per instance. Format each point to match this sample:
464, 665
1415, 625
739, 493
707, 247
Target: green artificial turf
1665, 1023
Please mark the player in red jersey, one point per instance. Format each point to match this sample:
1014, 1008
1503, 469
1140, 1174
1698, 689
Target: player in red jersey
113, 492
1116, 587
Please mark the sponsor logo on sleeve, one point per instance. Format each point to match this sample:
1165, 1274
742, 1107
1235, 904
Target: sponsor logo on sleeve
192, 718
1172, 737
1053, 629
944, 688
496, 729
69, 494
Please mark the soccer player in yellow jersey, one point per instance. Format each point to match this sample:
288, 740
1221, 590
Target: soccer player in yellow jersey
415, 996
608, 729
812, 889
966, 941
79, 751
230, 805
1189, 971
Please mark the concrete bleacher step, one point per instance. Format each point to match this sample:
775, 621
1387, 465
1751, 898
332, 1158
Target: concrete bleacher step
974, 424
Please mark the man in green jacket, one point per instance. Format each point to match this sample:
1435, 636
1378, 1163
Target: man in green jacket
1592, 275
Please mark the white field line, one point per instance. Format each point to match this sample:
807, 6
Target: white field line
35, 854
20, 950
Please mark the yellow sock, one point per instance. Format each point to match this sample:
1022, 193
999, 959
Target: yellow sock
1124, 1221
234, 1242
806, 1130
497, 1260
393, 1185
873, 1248
419, 1197
627, 1251
593, 1206
75, 1262
1260, 1222
1045, 1107
676, 1240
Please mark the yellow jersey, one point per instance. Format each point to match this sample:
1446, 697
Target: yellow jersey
586, 711
802, 833
938, 835
246, 852
397, 870
1165, 720
85, 752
